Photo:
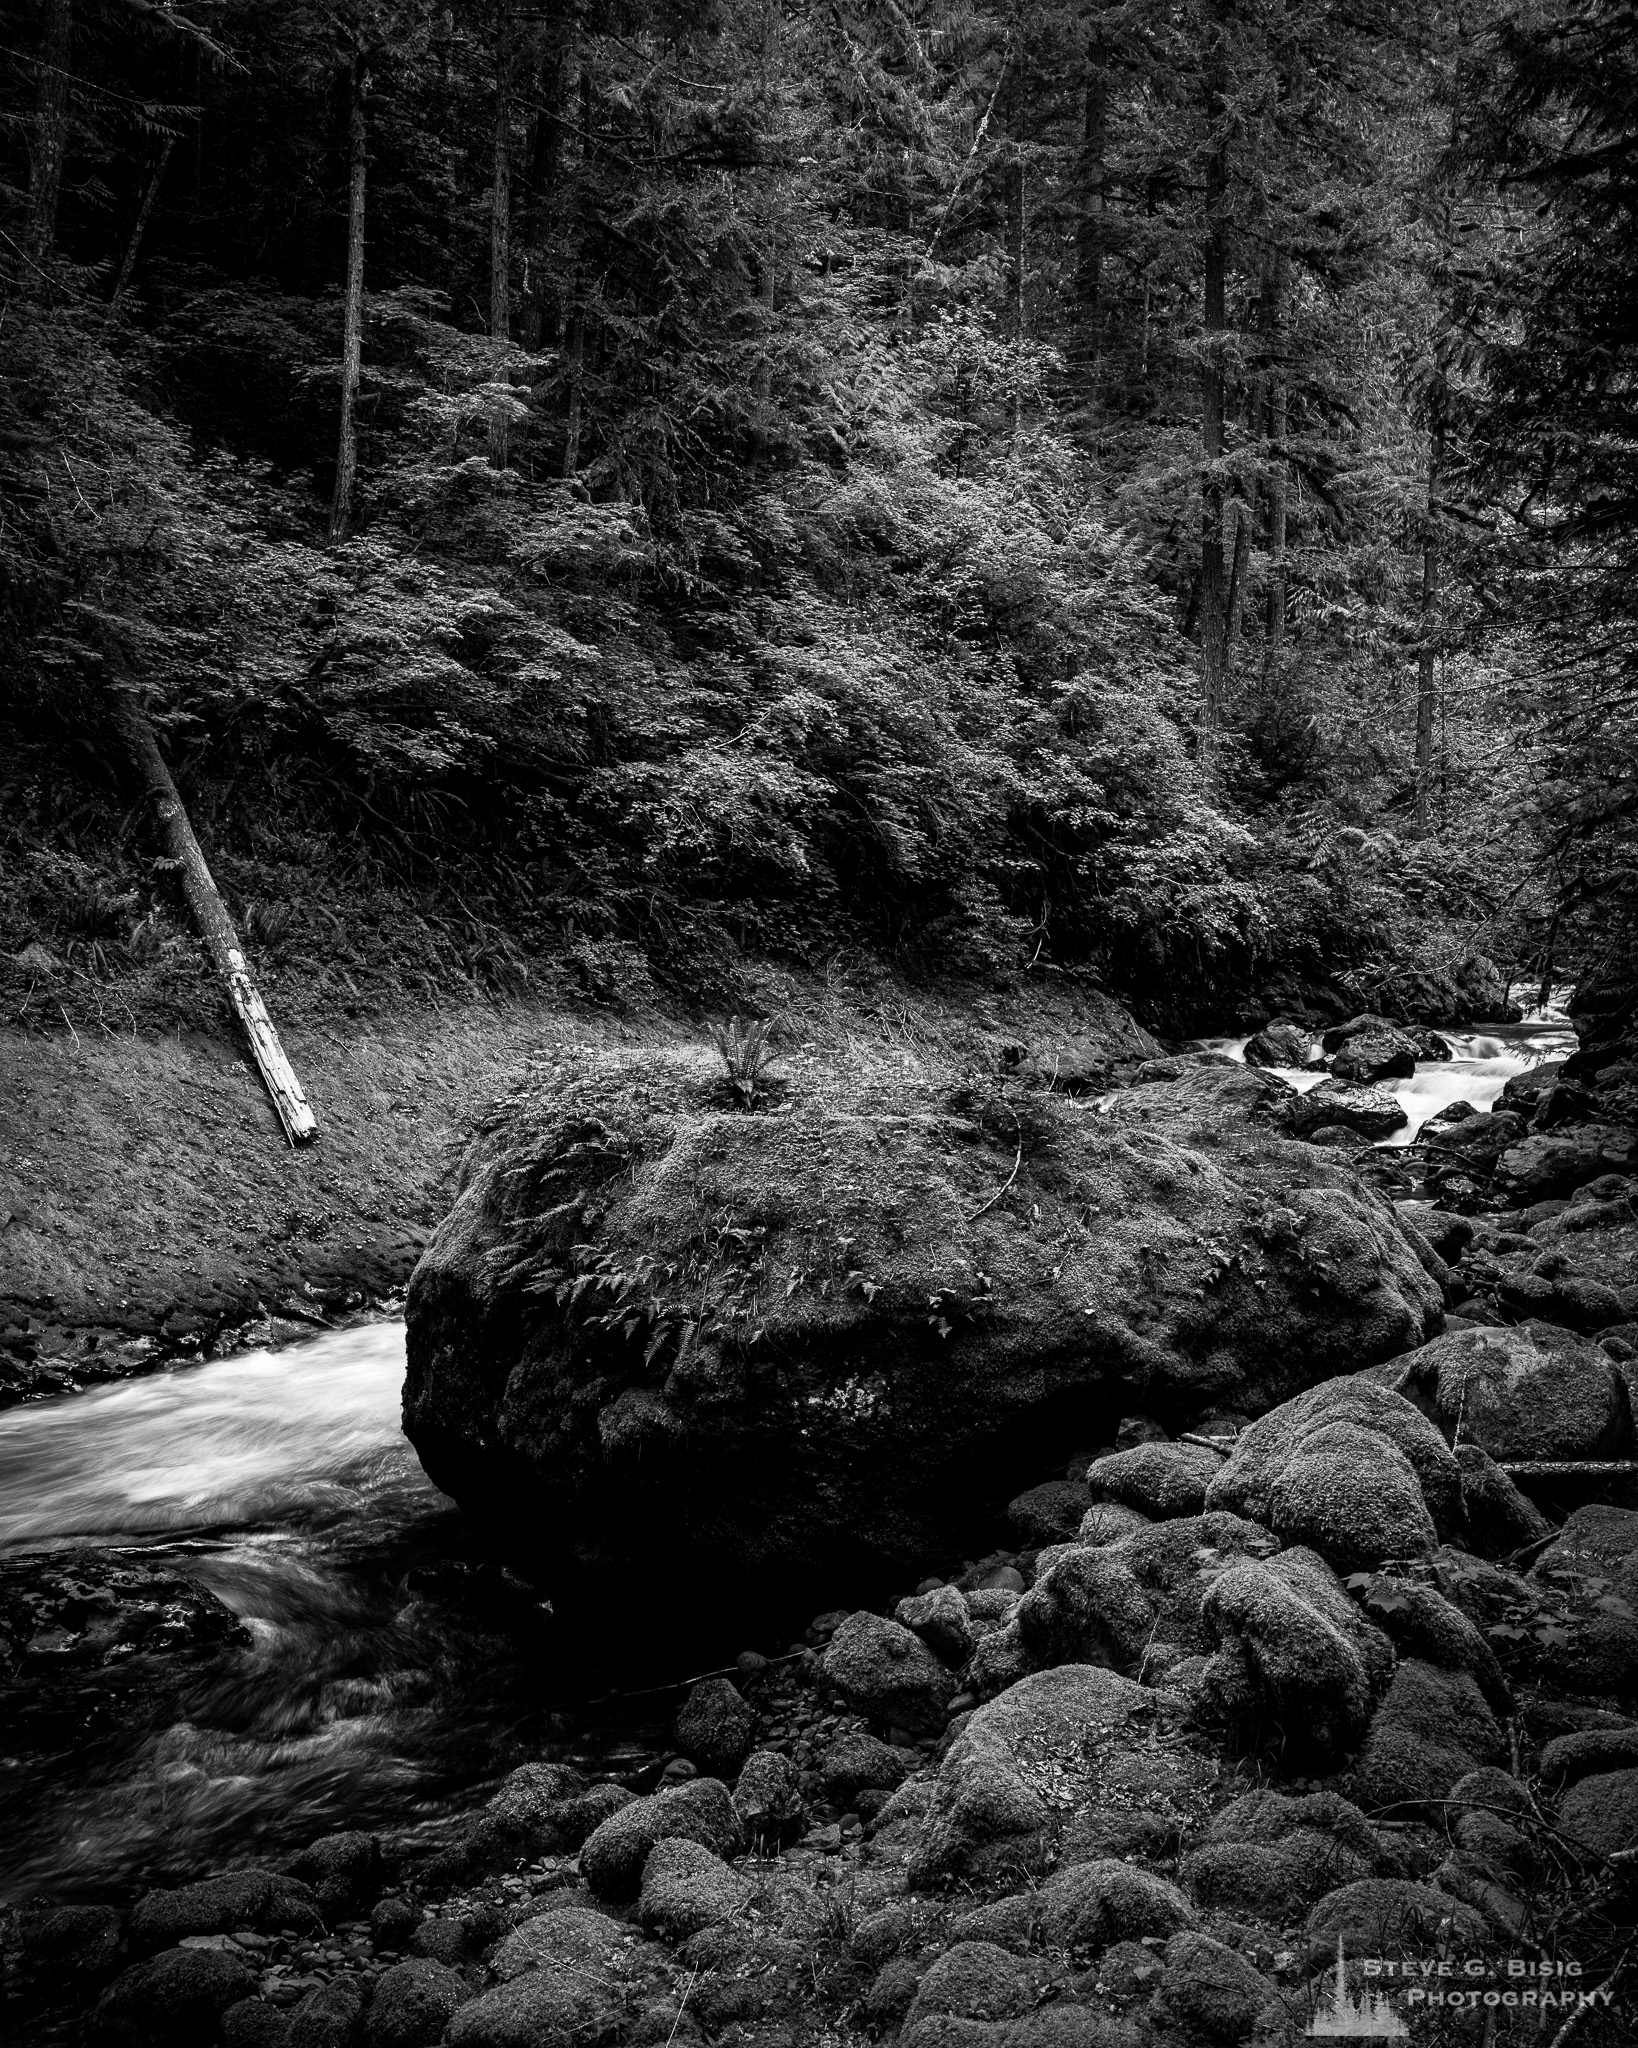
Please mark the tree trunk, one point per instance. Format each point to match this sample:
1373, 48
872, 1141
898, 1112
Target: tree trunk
49, 142
500, 222
210, 916
1274, 644
577, 367
1276, 490
1091, 235
540, 312
762, 433
1015, 280
128, 263
1242, 517
352, 330
1427, 658
577, 319
1213, 404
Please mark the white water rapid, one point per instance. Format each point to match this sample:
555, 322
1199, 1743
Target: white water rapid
1481, 1064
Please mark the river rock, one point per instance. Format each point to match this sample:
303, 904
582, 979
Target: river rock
1280, 1044
1598, 1542
1523, 1092
1113, 1603
328, 2016
1381, 1053
1558, 1162
942, 1620
1533, 1391
1588, 1751
1335, 1036
1159, 1480
1421, 1622
1270, 1853
1391, 1916
559, 1938
615, 1853
1049, 1513
343, 1872
856, 1762
74, 1944
173, 2000
258, 1901
886, 1671
1602, 1811
1353, 1496
1108, 1522
975, 1980
1294, 1654
546, 2006
1279, 1467
1209, 1992
768, 1799
1091, 1905
1447, 1233
686, 1888
1431, 1729
988, 1814
1371, 1111
258, 2023
412, 2005
1500, 1519
1172, 1242
541, 1809
716, 1727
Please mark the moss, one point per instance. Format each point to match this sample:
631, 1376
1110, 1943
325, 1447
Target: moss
858, 1309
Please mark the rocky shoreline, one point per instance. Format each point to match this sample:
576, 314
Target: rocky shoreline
1128, 1789
1268, 1671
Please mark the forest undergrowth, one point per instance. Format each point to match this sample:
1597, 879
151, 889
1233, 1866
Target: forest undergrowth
590, 498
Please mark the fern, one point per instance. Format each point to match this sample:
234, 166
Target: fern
746, 1054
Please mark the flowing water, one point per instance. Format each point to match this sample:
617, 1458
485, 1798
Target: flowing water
1480, 1066
390, 1668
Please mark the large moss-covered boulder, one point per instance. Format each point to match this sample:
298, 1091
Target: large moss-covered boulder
813, 1340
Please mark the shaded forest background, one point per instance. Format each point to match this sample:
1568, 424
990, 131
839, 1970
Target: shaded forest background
593, 494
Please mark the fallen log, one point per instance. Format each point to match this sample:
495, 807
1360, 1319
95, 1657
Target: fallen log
1539, 1468
210, 916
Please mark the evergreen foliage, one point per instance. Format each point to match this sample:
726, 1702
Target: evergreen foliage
815, 530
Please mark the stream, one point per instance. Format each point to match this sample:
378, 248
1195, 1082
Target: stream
1481, 1064
392, 1669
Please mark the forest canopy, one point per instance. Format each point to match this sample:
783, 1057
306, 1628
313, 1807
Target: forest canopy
1141, 489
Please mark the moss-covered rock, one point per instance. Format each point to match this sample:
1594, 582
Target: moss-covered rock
802, 1343
1432, 1729
1024, 1765
1532, 1390
1296, 1662
1158, 1480
888, 1672
1109, 1603
701, 1810
1297, 1432
1270, 1853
